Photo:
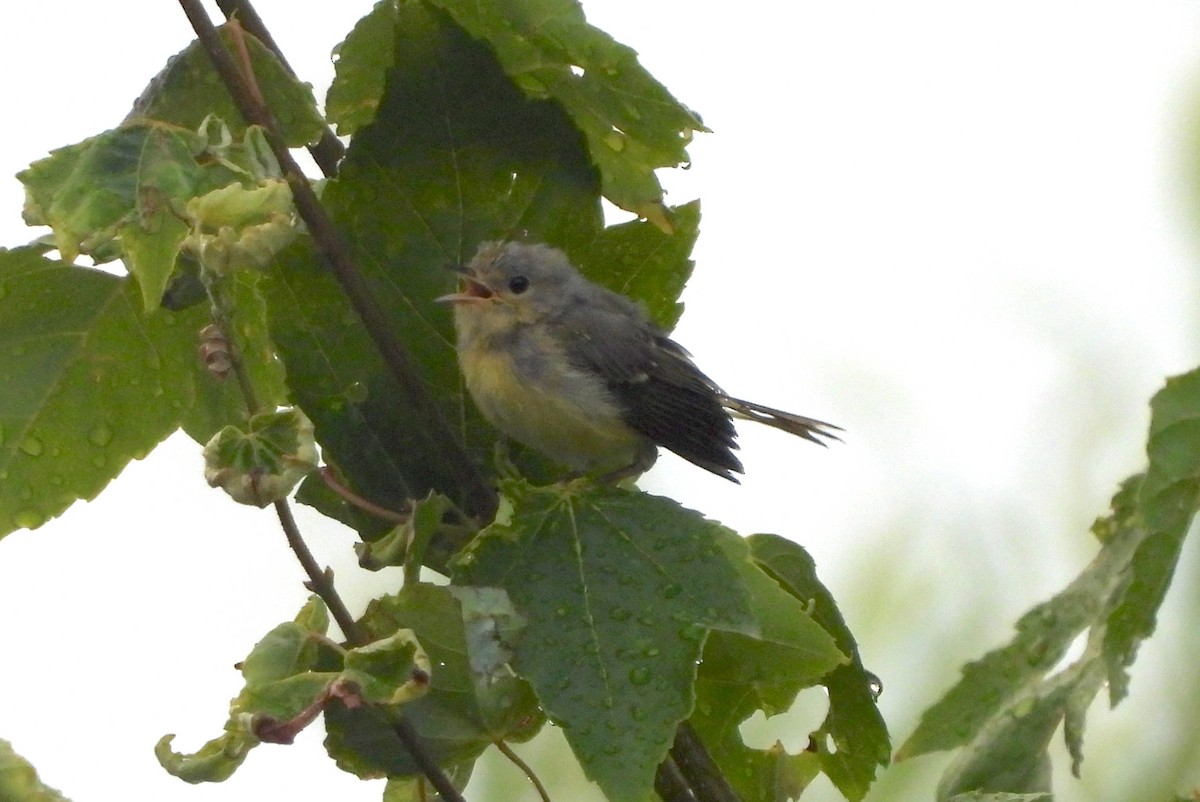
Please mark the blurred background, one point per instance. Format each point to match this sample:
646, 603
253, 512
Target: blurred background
964, 232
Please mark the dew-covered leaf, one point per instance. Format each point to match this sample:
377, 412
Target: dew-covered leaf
91, 381
361, 63
632, 123
619, 590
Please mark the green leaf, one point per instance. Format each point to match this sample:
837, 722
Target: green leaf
392, 670
740, 675
1167, 501
263, 462
979, 796
990, 684
119, 184
1005, 709
463, 712
637, 259
214, 762
188, 90
632, 123
423, 525
619, 590
151, 249
91, 382
455, 156
126, 192
361, 62
791, 650
1004, 705
1008, 706
19, 781
418, 789
335, 374
1011, 754
245, 310
853, 740
288, 675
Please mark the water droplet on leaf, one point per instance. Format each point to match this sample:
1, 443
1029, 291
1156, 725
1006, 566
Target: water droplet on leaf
640, 675
100, 436
32, 446
28, 519
619, 614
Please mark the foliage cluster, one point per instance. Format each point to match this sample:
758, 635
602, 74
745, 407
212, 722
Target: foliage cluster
611, 613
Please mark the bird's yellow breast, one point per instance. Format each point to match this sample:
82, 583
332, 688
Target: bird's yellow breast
530, 391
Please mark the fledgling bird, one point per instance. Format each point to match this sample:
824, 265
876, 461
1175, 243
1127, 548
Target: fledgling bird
581, 374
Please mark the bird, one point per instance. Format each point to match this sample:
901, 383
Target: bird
581, 374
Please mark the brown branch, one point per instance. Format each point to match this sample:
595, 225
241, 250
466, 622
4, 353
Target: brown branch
698, 767
356, 500
429, 767
481, 499
320, 581
328, 150
319, 224
670, 785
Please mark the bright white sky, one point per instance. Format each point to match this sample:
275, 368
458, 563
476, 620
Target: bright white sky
958, 230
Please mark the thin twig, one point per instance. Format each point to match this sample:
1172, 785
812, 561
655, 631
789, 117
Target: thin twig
320, 581
670, 785
515, 759
222, 318
481, 499
698, 767
429, 767
358, 501
328, 150
309, 208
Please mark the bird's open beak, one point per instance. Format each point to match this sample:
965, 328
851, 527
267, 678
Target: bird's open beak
471, 291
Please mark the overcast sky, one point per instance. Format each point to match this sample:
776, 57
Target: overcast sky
959, 230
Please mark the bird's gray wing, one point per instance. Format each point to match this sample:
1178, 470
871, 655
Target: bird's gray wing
663, 395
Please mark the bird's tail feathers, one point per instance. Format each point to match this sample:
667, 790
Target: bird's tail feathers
809, 428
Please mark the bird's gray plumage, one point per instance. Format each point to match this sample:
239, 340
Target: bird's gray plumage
659, 392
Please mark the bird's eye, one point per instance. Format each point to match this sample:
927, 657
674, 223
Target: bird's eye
518, 284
